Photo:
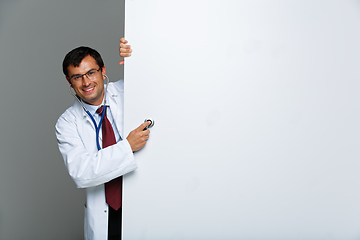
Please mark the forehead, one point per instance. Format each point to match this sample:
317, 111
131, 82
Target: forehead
85, 65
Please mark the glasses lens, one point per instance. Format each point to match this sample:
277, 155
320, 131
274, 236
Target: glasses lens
76, 78
91, 74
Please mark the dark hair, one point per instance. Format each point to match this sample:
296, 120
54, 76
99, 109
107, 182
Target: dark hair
75, 56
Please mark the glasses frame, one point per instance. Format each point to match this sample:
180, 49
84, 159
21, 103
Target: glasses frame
81, 76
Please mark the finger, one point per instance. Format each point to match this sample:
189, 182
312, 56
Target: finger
125, 50
125, 54
123, 40
143, 125
145, 137
121, 62
124, 46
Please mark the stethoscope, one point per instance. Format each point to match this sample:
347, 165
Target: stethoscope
97, 127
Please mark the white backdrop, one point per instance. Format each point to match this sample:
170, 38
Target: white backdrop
256, 108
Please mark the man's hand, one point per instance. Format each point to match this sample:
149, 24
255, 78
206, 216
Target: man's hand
124, 49
137, 138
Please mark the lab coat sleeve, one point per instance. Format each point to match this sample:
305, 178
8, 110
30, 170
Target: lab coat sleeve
87, 166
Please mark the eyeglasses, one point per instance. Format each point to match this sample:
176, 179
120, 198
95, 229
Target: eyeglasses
91, 75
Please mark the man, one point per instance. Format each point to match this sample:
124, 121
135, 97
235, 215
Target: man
93, 162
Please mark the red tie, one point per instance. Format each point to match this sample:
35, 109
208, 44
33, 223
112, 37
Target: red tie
113, 189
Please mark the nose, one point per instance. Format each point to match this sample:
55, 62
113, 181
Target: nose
85, 80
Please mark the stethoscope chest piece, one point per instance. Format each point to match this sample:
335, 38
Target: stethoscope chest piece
152, 122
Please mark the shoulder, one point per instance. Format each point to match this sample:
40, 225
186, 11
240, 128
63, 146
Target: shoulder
116, 87
69, 116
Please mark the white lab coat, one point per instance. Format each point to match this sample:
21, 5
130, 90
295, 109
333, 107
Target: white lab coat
89, 167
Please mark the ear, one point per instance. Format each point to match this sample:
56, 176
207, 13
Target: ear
67, 78
103, 72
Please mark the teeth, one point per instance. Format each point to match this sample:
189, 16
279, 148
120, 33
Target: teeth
88, 90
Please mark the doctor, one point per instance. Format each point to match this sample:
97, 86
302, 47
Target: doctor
89, 167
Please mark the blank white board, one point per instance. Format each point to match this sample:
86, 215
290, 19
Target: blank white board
256, 109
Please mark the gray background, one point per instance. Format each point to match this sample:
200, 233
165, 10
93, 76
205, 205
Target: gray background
256, 109
38, 199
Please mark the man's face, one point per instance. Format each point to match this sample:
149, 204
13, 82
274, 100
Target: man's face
91, 90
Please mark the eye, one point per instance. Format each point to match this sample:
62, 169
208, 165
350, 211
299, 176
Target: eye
76, 78
91, 73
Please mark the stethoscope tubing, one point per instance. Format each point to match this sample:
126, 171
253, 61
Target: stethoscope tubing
97, 127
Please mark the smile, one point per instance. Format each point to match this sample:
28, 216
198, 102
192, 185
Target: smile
89, 90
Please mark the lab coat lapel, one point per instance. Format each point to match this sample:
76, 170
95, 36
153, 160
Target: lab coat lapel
80, 110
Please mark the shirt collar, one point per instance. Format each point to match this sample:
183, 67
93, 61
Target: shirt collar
92, 108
